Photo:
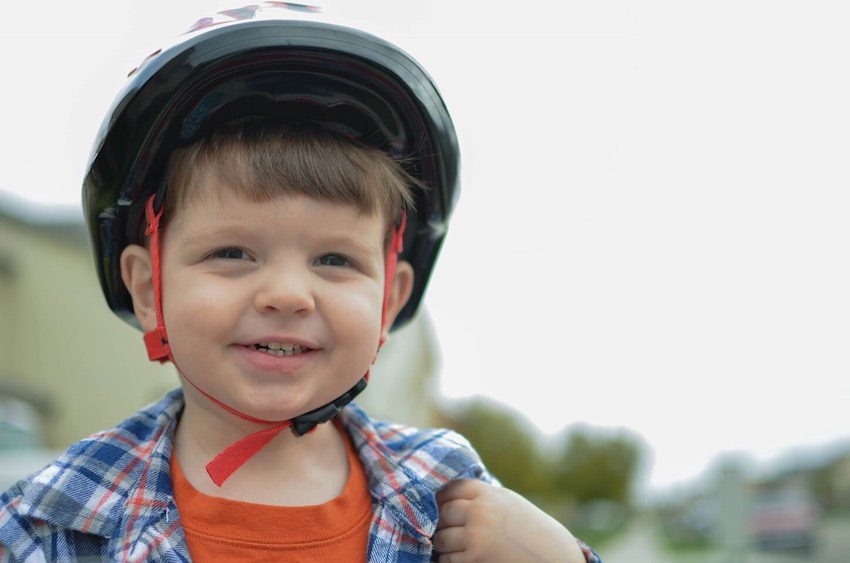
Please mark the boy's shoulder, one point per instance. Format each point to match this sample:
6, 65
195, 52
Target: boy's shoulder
428, 457
87, 487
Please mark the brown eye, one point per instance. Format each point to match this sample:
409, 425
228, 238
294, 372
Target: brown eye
332, 260
230, 254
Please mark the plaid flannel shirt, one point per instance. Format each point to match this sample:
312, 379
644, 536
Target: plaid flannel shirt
109, 497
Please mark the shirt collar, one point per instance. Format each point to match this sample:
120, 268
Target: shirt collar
407, 466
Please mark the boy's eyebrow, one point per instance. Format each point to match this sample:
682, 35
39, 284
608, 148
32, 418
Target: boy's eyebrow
207, 236
355, 244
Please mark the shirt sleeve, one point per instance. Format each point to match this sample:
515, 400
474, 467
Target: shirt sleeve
590, 555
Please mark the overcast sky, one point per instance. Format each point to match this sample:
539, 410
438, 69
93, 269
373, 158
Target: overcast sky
652, 232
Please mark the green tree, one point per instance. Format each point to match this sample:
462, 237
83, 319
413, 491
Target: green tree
583, 465
595, 465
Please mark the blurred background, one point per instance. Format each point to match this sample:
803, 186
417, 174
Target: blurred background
640, 314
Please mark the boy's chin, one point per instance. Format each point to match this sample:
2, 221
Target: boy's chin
250, 410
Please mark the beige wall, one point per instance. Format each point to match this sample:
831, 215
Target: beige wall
63, 342
5, 311
59, 339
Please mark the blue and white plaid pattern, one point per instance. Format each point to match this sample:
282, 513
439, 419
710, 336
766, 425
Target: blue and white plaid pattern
110, 498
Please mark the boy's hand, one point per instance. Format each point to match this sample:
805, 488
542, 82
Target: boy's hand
482, 522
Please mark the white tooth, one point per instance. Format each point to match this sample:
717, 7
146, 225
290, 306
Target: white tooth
280, 349
277, 346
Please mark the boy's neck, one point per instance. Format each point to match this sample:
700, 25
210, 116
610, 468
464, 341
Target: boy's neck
289, 471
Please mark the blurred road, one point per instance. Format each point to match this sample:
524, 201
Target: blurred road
639, 545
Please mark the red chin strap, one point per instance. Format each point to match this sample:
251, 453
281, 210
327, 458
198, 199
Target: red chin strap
235, 455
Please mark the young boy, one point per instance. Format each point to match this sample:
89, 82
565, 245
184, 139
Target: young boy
266, 201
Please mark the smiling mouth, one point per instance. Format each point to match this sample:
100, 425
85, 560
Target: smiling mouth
281, 349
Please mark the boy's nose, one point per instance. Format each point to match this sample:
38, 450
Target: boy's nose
285, 291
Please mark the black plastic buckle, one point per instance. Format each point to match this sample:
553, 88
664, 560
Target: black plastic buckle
309, 420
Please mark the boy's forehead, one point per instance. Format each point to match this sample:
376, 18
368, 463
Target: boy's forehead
285, 220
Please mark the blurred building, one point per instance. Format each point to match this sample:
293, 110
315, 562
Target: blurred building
69, 367
840, 480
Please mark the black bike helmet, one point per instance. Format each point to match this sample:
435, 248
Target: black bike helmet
244, 63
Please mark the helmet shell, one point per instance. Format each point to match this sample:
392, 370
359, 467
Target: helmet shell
337, 77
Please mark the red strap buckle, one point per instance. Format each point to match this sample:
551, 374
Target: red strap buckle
157, 346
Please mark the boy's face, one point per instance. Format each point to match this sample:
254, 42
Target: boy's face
275, 307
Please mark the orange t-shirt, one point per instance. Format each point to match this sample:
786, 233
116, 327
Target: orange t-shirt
220, 529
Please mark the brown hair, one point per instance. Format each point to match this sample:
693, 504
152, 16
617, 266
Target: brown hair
265, 159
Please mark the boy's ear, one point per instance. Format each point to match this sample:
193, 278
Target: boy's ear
400, 291
137, 274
